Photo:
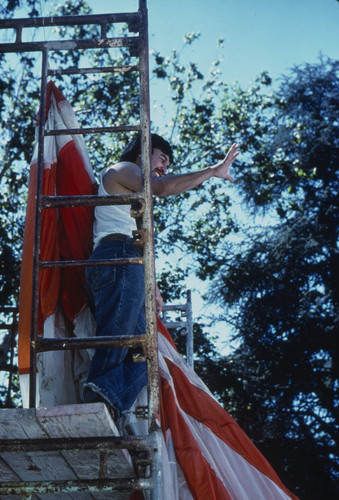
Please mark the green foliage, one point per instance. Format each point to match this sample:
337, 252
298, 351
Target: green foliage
279, 286
8, 8
102, 100
16, 120
298, 143
9, 388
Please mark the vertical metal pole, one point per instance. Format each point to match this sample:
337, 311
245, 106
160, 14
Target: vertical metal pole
37, 231
189, 330
13, 329
149, 267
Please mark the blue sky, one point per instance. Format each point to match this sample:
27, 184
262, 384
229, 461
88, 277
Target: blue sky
259, 35
272, 35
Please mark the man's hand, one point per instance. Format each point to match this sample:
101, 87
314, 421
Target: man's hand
221, 169
126, 177
158, 300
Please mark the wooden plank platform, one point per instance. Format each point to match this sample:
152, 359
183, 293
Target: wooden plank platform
73, 421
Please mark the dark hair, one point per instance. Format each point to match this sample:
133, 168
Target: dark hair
133, 148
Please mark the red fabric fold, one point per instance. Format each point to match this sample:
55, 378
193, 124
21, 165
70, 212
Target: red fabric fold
66, 234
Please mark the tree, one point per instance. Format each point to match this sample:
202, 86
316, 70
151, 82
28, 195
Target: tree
282, 285
106, 100
19, 103
279, 287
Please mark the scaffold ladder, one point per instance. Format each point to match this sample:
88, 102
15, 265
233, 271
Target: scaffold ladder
147, 448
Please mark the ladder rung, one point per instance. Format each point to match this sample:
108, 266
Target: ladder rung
8, 368
9, 309
51, 344
33, 22
93, 130
88, 71
98, 43
175, 307
176, 324
137, 443
135, 199
67, 486
8, 326
46, 264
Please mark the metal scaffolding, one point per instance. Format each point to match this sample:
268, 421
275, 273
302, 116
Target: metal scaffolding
143, 449
10, 325
185, 323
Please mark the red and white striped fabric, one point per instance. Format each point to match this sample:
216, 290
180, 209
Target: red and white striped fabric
211, 457
66, 234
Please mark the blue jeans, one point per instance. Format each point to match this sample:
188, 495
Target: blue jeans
117, 293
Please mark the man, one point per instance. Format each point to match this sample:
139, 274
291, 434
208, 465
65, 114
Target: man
117, 292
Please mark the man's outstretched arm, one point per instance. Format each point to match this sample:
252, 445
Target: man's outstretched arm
175, 184
128, 176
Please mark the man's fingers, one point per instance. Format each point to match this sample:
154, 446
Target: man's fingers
232, 153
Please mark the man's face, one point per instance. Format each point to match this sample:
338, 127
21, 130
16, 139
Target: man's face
160, 162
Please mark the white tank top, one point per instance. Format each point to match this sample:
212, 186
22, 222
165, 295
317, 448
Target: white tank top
109, 219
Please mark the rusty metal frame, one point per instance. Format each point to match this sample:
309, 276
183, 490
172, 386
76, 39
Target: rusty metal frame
141, 203
187, 324
12, 327
142, 449
133, 19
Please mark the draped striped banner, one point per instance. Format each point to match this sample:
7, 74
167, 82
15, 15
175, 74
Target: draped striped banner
215, 458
